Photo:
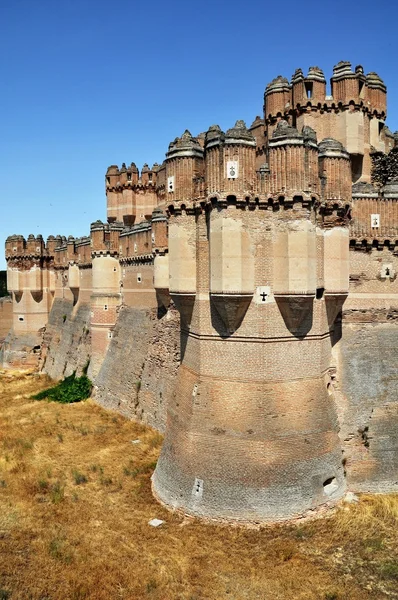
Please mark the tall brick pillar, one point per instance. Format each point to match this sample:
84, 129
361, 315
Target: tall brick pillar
106, 297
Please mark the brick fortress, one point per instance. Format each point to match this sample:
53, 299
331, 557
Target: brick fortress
277, 246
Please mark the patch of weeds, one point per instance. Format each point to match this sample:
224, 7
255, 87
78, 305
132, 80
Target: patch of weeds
58, 549
302, 532
156, 440
71, 389
63, 318
60, 437
24, 444
3, 484
331, 596
4, 594
106, 480
132, 471
100, 429
374, 544
151, 585
43, 485
138, 385
57, 492
389, 570
75, 497
83, 430
79, 477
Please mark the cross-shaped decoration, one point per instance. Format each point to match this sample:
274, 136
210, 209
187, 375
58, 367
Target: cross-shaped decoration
263, 296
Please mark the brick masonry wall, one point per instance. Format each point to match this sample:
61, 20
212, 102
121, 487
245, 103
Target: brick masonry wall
148, 343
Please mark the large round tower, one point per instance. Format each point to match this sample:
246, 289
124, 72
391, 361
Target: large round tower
252, 430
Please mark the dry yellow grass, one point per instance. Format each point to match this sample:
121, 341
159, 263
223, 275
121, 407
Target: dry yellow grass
75, 502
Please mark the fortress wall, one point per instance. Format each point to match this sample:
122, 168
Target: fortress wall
66, 341
21, 351
137, 289
373, 291
367, 388
138, 374
5, 317
367, 399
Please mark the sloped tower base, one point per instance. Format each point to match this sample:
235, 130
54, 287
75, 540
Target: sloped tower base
273, 455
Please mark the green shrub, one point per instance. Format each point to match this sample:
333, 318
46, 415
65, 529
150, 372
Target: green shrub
79, 477
57, 493
71, 389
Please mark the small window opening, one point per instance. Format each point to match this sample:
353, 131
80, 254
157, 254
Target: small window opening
20, 318
308, 88
114, 269
108, 180
139, 278
105, 307
356, 167
361, 88
128, 176
150, 177
109, 335
319, 293
381, 127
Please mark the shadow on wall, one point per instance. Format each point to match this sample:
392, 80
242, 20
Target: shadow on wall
3, 284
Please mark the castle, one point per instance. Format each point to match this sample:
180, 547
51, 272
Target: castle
276, 383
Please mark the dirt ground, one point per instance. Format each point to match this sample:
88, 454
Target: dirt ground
75, 501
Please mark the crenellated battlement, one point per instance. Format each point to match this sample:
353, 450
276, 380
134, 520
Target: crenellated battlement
348, 89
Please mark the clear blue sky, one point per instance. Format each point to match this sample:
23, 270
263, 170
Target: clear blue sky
86, 84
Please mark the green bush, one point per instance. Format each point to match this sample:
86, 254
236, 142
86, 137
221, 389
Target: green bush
71, 389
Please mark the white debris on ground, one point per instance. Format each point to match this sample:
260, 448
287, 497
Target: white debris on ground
155, 522
350, 497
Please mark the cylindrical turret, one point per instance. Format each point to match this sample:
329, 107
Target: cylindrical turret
344, 83
335, 171
184, 162
286, 161
377, 94
214, 160
112, 194
105, 300
239, 168
299, 94
315, 86
277, 99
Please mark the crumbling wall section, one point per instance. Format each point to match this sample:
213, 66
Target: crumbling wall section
138, 374
21, 351
5, 317
367, 398
66, 343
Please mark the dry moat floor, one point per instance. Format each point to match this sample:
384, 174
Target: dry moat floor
75, 501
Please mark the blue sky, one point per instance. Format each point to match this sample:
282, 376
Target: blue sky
86, 84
